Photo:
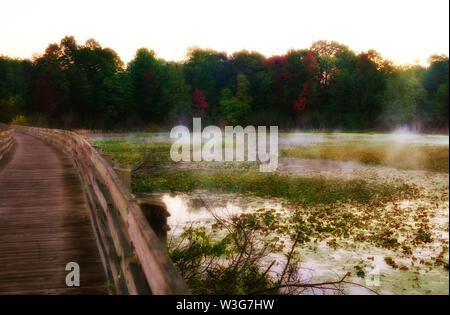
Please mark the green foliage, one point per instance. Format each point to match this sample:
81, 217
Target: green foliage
403, 96
148, 76
10, 107
200, 245
175, 94
225, 266
19, 120
441, 105
435, 81
253, 66
14, 84
117, 95
236, 108
209, 71
360, 272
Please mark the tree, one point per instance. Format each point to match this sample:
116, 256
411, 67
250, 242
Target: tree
440, 99
148, 75
328, 48
435, 81
403, 95
14, 87
300, 103
50, 89
328, 86
176, 95
209, 71
117, 96
306, 101
254, 66
90, 72
199, 102
236, 107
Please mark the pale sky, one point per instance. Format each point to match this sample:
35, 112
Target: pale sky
401, 30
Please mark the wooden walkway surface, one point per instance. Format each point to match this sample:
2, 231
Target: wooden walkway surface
44, 224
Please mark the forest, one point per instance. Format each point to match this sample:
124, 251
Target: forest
325, 87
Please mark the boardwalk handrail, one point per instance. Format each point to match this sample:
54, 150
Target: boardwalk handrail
134, 258
6, 139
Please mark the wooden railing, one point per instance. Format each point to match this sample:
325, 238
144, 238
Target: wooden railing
129, 234
6, 139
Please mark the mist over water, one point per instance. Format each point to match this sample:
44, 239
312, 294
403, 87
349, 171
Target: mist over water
286, 140
400, 136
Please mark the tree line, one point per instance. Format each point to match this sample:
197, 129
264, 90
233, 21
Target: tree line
325, 87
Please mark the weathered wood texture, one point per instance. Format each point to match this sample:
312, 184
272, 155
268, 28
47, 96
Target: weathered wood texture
44, 224
6, 140
133, 255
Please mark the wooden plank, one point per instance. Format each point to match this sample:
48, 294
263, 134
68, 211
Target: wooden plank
128, 230
44, 224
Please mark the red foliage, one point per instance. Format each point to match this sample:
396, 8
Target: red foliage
311, 66
199, 101
312, 70
300, 103
284, 76
365, 64
277, 60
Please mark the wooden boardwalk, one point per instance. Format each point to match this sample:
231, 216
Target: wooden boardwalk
44, 224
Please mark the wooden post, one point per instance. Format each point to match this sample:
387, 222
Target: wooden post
156, 213
124, 175
108, 158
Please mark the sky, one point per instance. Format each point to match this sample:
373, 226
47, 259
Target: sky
405, 31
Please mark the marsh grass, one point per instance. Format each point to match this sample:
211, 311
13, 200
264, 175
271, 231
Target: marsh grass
402, 156
302, 190
129, 153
